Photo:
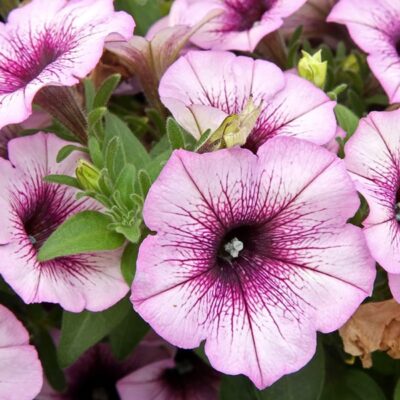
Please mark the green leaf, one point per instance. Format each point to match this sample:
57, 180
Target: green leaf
175, 134
48, 357
306, 384
114, 157
95, 123
133, 150
125, 183
145, 13
237, 388
82, 233
353, 385
103, 95
81, 331
160, 147
203, 139
156, 165
90, 92
63, 180
346, 119
127, 334
131, 232
144, 182
349, 384
95, 152
65, 151
396, 395
128, 262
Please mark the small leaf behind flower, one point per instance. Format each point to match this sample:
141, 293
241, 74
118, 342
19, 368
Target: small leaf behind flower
82, 233
79, 331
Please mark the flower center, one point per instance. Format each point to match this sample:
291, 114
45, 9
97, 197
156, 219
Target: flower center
30, 55
41, 208
239, 242
245, 14
234, 247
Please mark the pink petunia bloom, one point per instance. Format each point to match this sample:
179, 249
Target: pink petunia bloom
30, 210
373, 160
21, 374
252, 253
375, 27
241, 25
185, 376
202, 88
52, 43
95, 374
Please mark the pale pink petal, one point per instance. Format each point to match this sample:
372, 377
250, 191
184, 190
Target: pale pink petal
241, 24
373, 25
372, 158
146, 383
394, 284
202, 88
52, 45
297, 247
20, 369
33, 210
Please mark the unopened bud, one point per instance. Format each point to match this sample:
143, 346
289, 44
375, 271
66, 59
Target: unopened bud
235, 129
350, 64
312, 68
88, 176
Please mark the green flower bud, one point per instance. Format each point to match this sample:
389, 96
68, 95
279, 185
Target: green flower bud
88, 176
234, 129
312, 68
350, 64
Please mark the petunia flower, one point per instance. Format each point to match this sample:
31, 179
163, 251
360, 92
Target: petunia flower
52, 43
96, 373
148, 58
183, 377
21, 375
31, 209
373, 160
241, 25
375, 27
203, 88
252, 253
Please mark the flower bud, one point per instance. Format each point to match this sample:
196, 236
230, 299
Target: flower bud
350, 64
88, 176
234, 129
312, 68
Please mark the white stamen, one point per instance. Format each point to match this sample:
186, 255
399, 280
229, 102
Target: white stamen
234, 247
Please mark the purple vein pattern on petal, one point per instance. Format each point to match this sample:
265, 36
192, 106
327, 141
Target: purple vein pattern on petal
373, 160
52, 43
375, 26
32, 209
241, 24
251, 254
202, 88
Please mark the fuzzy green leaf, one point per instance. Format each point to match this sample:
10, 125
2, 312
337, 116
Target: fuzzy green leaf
82, 330
82, 233
103, 95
